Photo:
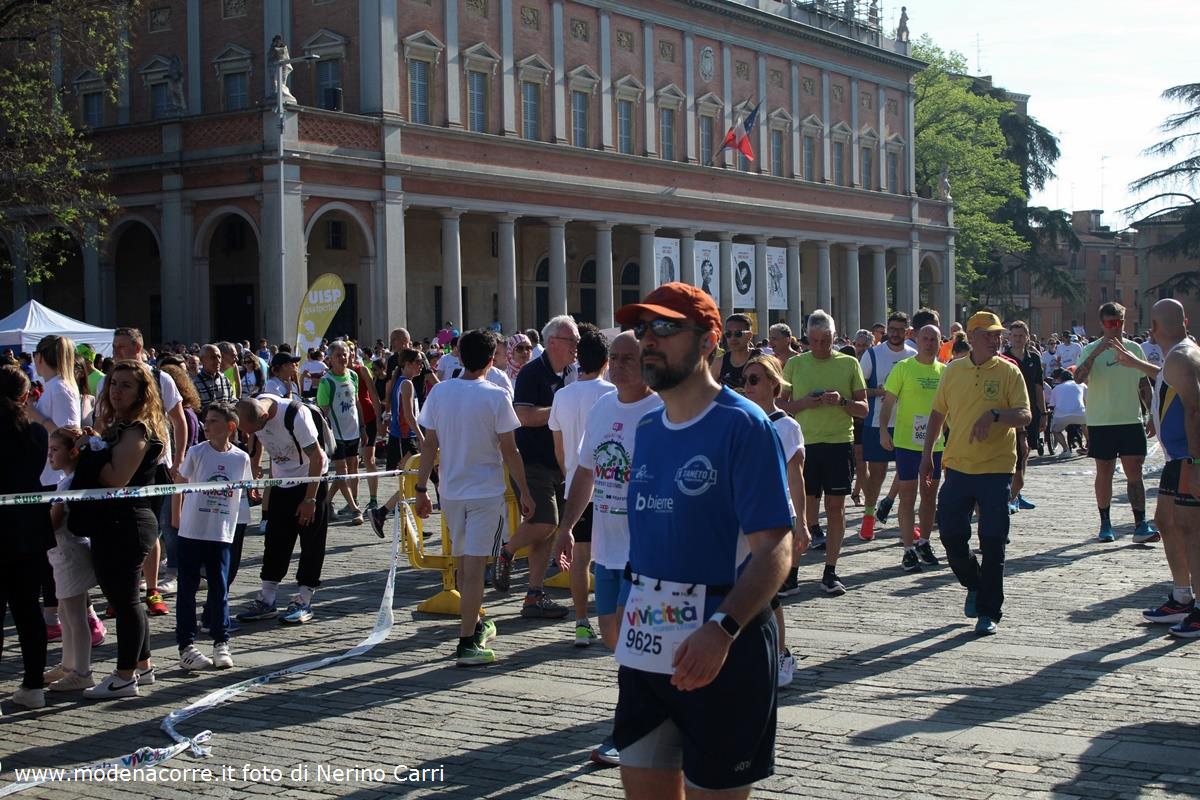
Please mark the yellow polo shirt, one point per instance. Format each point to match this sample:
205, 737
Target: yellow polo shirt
966, 393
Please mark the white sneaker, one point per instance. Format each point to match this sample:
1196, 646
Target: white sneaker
221, 658
191, 659
167, 586
145, 676
29, 698
113, 685
787, 668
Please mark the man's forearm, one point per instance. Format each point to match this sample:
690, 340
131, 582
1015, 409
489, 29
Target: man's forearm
533, 416
758, 583
1014, 417
516, 468
577, 499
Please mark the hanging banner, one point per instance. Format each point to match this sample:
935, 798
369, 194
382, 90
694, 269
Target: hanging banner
777, 278
708, 275
320, 305
743, 276
666, 260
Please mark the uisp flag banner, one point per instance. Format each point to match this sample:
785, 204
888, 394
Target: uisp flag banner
738, 136
320, 305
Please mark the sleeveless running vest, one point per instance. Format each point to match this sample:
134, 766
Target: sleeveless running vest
1168, 413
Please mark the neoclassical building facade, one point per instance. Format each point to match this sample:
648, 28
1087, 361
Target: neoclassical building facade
504, 161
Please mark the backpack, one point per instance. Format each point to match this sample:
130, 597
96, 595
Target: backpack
324, 433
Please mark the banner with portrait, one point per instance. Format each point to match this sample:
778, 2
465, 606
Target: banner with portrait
708, 268
666, 260
777, 278
743, 276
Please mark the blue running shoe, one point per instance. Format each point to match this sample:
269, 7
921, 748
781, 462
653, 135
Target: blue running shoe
607, 755
969, 606
1189, 628
1106, 533
1024, 504
985, 626
818, 542
1145, 532
298, 612
1169, 612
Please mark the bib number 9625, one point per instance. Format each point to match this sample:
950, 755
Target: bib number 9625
643, 642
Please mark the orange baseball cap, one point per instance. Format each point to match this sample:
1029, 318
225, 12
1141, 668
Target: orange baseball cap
675, 301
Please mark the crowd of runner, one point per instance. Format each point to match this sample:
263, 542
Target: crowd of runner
682, 464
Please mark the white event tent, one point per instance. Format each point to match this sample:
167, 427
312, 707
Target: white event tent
24, 328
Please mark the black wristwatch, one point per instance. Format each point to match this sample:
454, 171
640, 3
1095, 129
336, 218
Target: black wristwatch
995, 415
727, 623
421, 489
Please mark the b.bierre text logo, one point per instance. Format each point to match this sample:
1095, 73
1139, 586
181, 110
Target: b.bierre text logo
650, 502
696, 476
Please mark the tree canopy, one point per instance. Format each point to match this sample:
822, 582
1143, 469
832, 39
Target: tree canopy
994, 158
1175, 187
51, 190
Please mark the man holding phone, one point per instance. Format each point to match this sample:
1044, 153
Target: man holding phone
1117, 397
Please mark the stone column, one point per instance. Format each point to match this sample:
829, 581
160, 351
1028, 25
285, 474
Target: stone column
391, 308
726, 276
795, 313
93, 292
20, 276
949, 299
761, 287
283, 270
907, 271
203, 312
176, 245
687, 256
506, 284
649, 277
199, 311
852, 300
824, 279
558, 266
451, 268
604, 275
108, 294
879, 307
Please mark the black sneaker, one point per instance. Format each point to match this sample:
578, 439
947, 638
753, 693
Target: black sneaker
503, 577
831, 585
911, 562
925, 551
790, 585
378, 519
882, 509
818, 542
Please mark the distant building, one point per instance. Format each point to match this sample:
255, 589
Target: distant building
502, 160
1155, 269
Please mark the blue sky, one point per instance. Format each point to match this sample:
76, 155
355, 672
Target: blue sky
1094, 69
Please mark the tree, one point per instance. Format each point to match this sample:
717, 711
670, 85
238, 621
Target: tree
995, 157
958, 130
51, 189
1175, 186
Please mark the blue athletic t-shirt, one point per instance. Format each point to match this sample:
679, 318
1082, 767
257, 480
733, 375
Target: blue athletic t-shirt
697, 488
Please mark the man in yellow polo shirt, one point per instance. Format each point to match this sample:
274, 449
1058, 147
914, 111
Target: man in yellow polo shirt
985, 400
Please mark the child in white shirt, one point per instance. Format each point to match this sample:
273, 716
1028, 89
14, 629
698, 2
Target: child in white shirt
207, 528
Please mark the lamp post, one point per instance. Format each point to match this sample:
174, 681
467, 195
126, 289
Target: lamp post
280, 87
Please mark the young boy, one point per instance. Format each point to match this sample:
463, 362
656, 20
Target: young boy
208, 526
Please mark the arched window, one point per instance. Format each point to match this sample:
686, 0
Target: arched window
631, 277
587, 292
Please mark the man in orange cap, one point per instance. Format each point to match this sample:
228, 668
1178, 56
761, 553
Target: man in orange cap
985, 396
710, 543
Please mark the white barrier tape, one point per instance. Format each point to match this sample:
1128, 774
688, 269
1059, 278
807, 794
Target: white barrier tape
168, 489
149, 756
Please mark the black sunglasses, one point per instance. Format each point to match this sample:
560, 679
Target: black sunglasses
754, 380
662, 328
736, 334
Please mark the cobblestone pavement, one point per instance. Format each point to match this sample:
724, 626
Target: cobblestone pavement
894, 695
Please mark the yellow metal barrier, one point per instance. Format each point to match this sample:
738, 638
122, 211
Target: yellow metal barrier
448, 600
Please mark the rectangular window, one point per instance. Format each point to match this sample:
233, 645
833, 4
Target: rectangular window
1118, 294
777, 153
1117, 265
868, 179
707, 131
158, 100
666, 133
893, 173
1103, 294
329, 84
93, 109
418, 92
1103, 261
809, 145
531, 110
234, 85
477, 101
579, 118
839, 163
743, 162
625, 127
335, 235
